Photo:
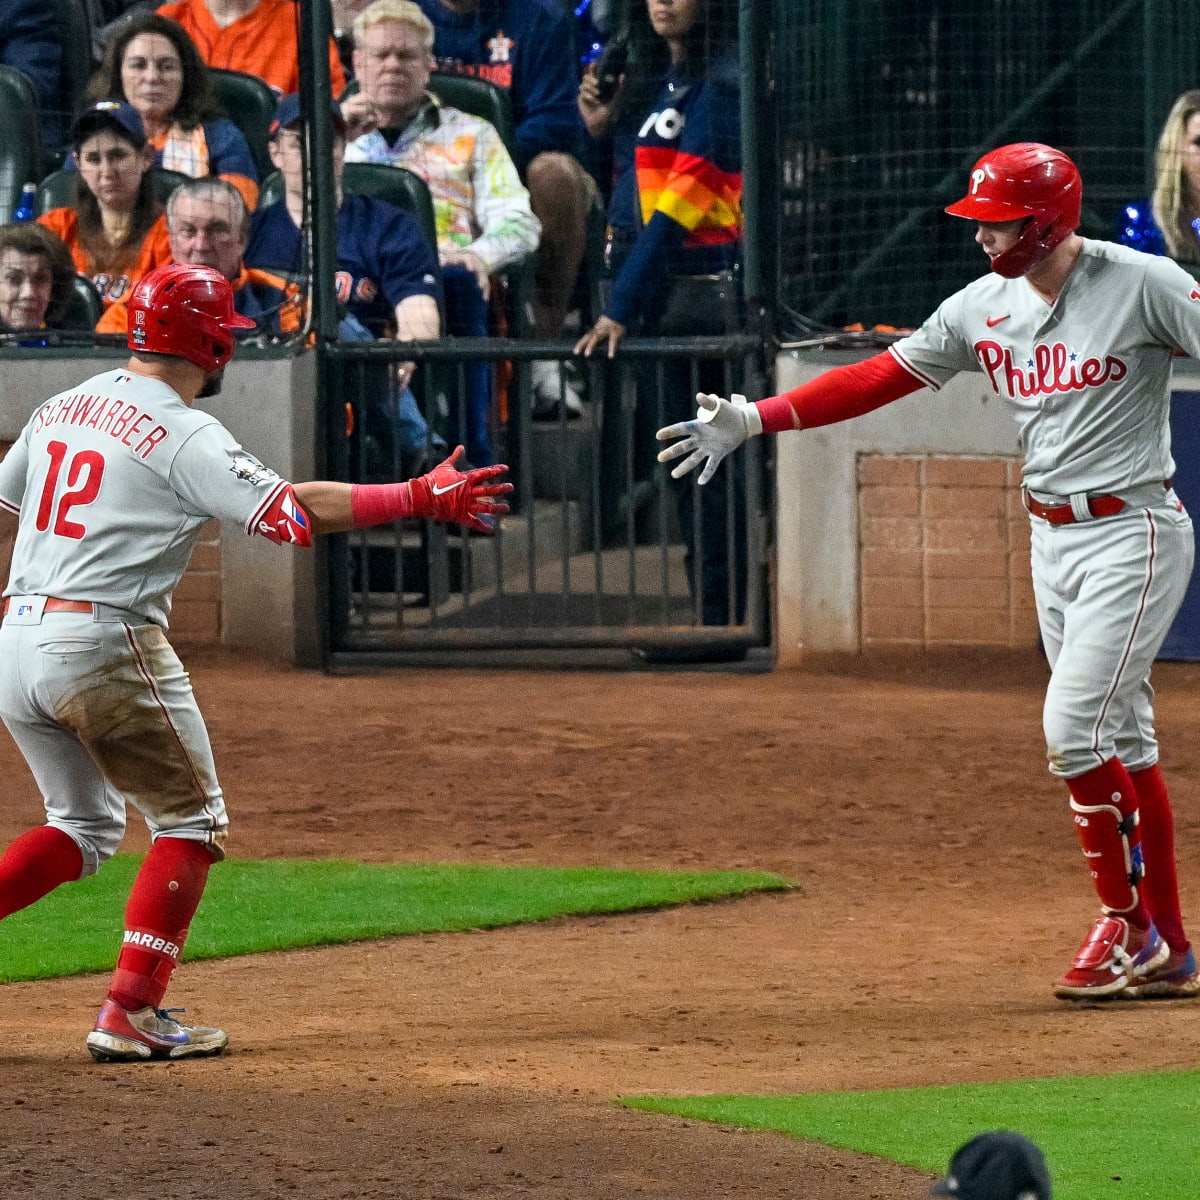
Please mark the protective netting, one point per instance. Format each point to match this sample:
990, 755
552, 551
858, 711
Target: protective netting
884, 106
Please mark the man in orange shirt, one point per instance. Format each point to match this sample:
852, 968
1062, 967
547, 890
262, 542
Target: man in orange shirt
258, 37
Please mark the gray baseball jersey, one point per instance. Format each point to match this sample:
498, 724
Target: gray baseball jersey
1086, 379
113, 481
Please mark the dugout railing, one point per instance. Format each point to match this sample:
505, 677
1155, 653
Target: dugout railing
595, 554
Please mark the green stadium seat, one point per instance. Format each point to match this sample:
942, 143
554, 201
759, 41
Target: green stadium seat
20, 139
84, 308
250, 104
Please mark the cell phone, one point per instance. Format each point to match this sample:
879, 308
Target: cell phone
610, 65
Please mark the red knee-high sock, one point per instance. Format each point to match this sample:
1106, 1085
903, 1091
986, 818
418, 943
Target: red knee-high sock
35, 864
1160, 888
1105, 804
161, 905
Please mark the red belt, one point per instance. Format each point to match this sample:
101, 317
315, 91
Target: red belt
1064, 514
54, 604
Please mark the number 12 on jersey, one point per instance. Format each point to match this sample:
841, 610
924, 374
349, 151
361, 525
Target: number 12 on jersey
83, 482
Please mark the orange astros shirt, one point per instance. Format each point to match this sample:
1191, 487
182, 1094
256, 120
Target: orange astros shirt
116, 284
262, 43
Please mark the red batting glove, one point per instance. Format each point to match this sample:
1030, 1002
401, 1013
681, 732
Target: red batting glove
463, 497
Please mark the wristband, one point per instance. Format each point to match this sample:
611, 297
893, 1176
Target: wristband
379, 503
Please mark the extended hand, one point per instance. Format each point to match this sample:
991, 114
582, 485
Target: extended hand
464, 497
604, 330
719, 428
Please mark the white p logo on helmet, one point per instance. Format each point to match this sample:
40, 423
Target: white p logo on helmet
977, 177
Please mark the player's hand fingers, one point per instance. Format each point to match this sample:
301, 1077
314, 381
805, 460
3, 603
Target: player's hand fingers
492, 489
482, 474
678, 450
681, 429
710, 468
489, 506
689, 464
708, 401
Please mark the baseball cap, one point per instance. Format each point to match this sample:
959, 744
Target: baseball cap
996, 1166
287, 114
109, 114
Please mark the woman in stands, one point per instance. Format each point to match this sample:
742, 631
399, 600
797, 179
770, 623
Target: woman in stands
154, 65
114, 230
36, 278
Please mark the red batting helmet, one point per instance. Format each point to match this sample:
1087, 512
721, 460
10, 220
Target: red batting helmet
185, 311
1024, 180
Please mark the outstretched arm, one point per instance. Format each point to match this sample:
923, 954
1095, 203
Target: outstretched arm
836, 395
445, 494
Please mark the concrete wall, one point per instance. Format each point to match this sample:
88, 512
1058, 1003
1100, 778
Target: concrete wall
267, 592
819, 517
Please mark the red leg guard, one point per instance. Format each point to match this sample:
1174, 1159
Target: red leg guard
161, 905
1106, 819
34, 865
1160, 888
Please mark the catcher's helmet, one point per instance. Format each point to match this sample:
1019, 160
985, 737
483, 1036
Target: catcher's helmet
185, 311
1029, 180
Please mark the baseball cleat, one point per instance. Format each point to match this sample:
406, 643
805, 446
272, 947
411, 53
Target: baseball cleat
1176, 979
149, 1033
1113, 955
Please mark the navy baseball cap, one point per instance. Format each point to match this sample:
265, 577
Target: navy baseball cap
996, 1166
287, 114
109, 114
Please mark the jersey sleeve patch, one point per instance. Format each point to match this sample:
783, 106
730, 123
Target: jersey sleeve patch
283, 521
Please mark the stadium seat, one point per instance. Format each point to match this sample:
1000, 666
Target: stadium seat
250, 104
55, 191
20, 138
395, 185
84, 308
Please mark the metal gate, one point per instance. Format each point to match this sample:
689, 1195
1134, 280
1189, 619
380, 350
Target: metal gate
602, 549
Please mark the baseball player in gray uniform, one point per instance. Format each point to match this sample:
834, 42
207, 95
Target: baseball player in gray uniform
102, 498
1077, 336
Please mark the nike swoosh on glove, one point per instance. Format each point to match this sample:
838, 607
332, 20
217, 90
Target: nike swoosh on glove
462, 497
720, 428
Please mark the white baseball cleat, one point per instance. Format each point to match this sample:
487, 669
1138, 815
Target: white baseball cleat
149, 1033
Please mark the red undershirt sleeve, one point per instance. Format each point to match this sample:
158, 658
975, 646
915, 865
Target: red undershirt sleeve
839, 394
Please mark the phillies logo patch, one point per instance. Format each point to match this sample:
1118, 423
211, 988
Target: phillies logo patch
1194, 294
1053, 368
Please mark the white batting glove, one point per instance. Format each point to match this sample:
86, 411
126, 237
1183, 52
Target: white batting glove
720, 428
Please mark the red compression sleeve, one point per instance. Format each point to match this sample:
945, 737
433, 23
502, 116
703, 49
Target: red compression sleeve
378, 503
839, 394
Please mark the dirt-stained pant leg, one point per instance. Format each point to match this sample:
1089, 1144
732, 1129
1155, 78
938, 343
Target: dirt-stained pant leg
104, 713
1107, 592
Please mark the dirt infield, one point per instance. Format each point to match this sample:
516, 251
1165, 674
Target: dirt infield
942, 892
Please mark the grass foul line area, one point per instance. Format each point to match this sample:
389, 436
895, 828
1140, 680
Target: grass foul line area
280, 904
1128, 1136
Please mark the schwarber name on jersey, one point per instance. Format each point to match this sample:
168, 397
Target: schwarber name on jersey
112, 482
1087, 378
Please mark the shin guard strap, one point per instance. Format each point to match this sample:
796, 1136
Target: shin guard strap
1112, 846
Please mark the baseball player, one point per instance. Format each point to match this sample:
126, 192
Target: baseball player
1077, 336
102, 498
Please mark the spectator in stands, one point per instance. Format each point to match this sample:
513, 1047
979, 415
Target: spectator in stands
484, 222
680, 274
387, 273
30, 40
209, 226
528, 48
1165, 223
36, 277
153, 65
115, 230
258, 37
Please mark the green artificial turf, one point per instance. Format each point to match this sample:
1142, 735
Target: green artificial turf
280, 904
1132, 1136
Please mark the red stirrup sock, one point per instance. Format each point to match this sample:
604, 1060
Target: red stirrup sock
1104, 801
1160, 888
161, 905
35, 864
